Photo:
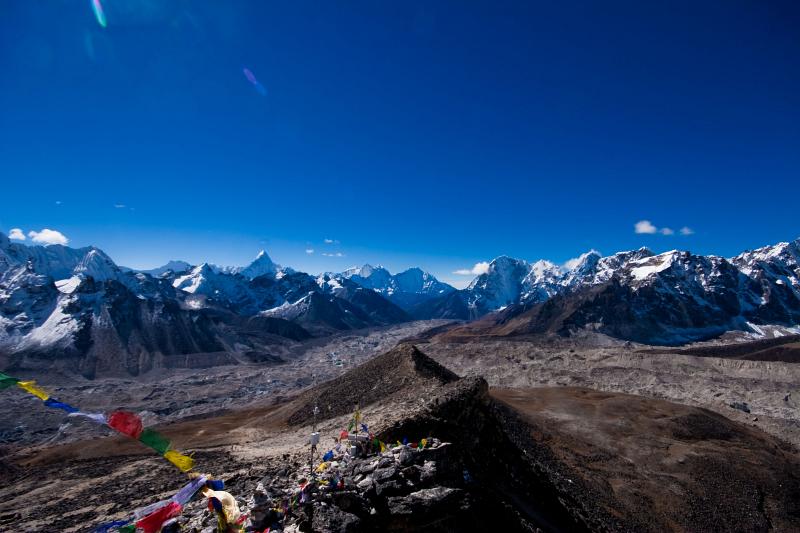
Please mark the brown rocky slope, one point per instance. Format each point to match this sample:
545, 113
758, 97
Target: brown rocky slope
551, 459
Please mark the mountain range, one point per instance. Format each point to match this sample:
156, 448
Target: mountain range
75, 309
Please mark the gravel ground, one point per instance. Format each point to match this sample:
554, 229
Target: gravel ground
169, 395
768, 388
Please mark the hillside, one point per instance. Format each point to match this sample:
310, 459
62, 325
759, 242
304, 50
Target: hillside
558, 459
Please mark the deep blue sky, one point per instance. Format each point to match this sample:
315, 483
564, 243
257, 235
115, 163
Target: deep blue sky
430, 133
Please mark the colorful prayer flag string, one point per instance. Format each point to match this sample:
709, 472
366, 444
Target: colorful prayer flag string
124, 422
151, 517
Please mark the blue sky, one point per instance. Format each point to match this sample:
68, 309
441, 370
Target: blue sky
409, 133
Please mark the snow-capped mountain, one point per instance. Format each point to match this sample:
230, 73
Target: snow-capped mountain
173, 266
262, 265
77, 310
406, 289
668, 298
500, 286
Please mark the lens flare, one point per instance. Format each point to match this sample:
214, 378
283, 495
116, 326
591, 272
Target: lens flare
252, 79
98, 13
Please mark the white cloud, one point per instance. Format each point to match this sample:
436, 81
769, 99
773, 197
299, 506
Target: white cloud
686, 230
16, 234
309, 251
331, 241
58, 202
119, 206
644, 226
666, 231
48, 236
477, 270
337, 254
575, 261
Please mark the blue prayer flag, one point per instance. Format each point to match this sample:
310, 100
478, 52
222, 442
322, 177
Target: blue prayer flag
52, 402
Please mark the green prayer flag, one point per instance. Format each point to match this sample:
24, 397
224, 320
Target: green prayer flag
7, 381
155, 440
130, 528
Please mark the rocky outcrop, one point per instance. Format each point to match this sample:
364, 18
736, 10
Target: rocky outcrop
401, 370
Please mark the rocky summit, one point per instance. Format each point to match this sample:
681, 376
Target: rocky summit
406, 445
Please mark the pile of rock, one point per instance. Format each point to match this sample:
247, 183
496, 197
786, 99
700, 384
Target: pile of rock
402, 487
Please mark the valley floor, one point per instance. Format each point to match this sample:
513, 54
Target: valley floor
768, 388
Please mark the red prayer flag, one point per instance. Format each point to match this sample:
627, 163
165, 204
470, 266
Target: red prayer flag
126, 423
152, 522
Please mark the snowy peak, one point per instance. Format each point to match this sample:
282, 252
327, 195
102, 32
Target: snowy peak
644, 268
200, 279
262, 265
98, 266
364, 271
416, 280
407, 289
377, 278
782, 258
500, 286
172, 266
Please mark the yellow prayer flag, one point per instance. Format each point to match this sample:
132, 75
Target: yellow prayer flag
424, 442
184, 462
322, 467
383, 447
31, 387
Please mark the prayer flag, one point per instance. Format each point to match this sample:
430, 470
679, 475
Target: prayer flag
52, 402
31, 387
141, 512
155, 440
183, 462
216, 484
186, 493
7, 381
100, 418
152, 523
111, 525
126, 423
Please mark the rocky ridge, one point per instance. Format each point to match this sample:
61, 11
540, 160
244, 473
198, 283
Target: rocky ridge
552, 459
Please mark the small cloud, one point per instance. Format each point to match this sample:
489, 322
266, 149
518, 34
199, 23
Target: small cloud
644, 226
575, 261
119, 206
58, 202
331, 241
477, 270
309, 251
666, 231
337, 254
686, 230
48, 236
16, 234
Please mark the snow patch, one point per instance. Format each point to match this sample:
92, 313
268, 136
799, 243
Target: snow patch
68, 286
